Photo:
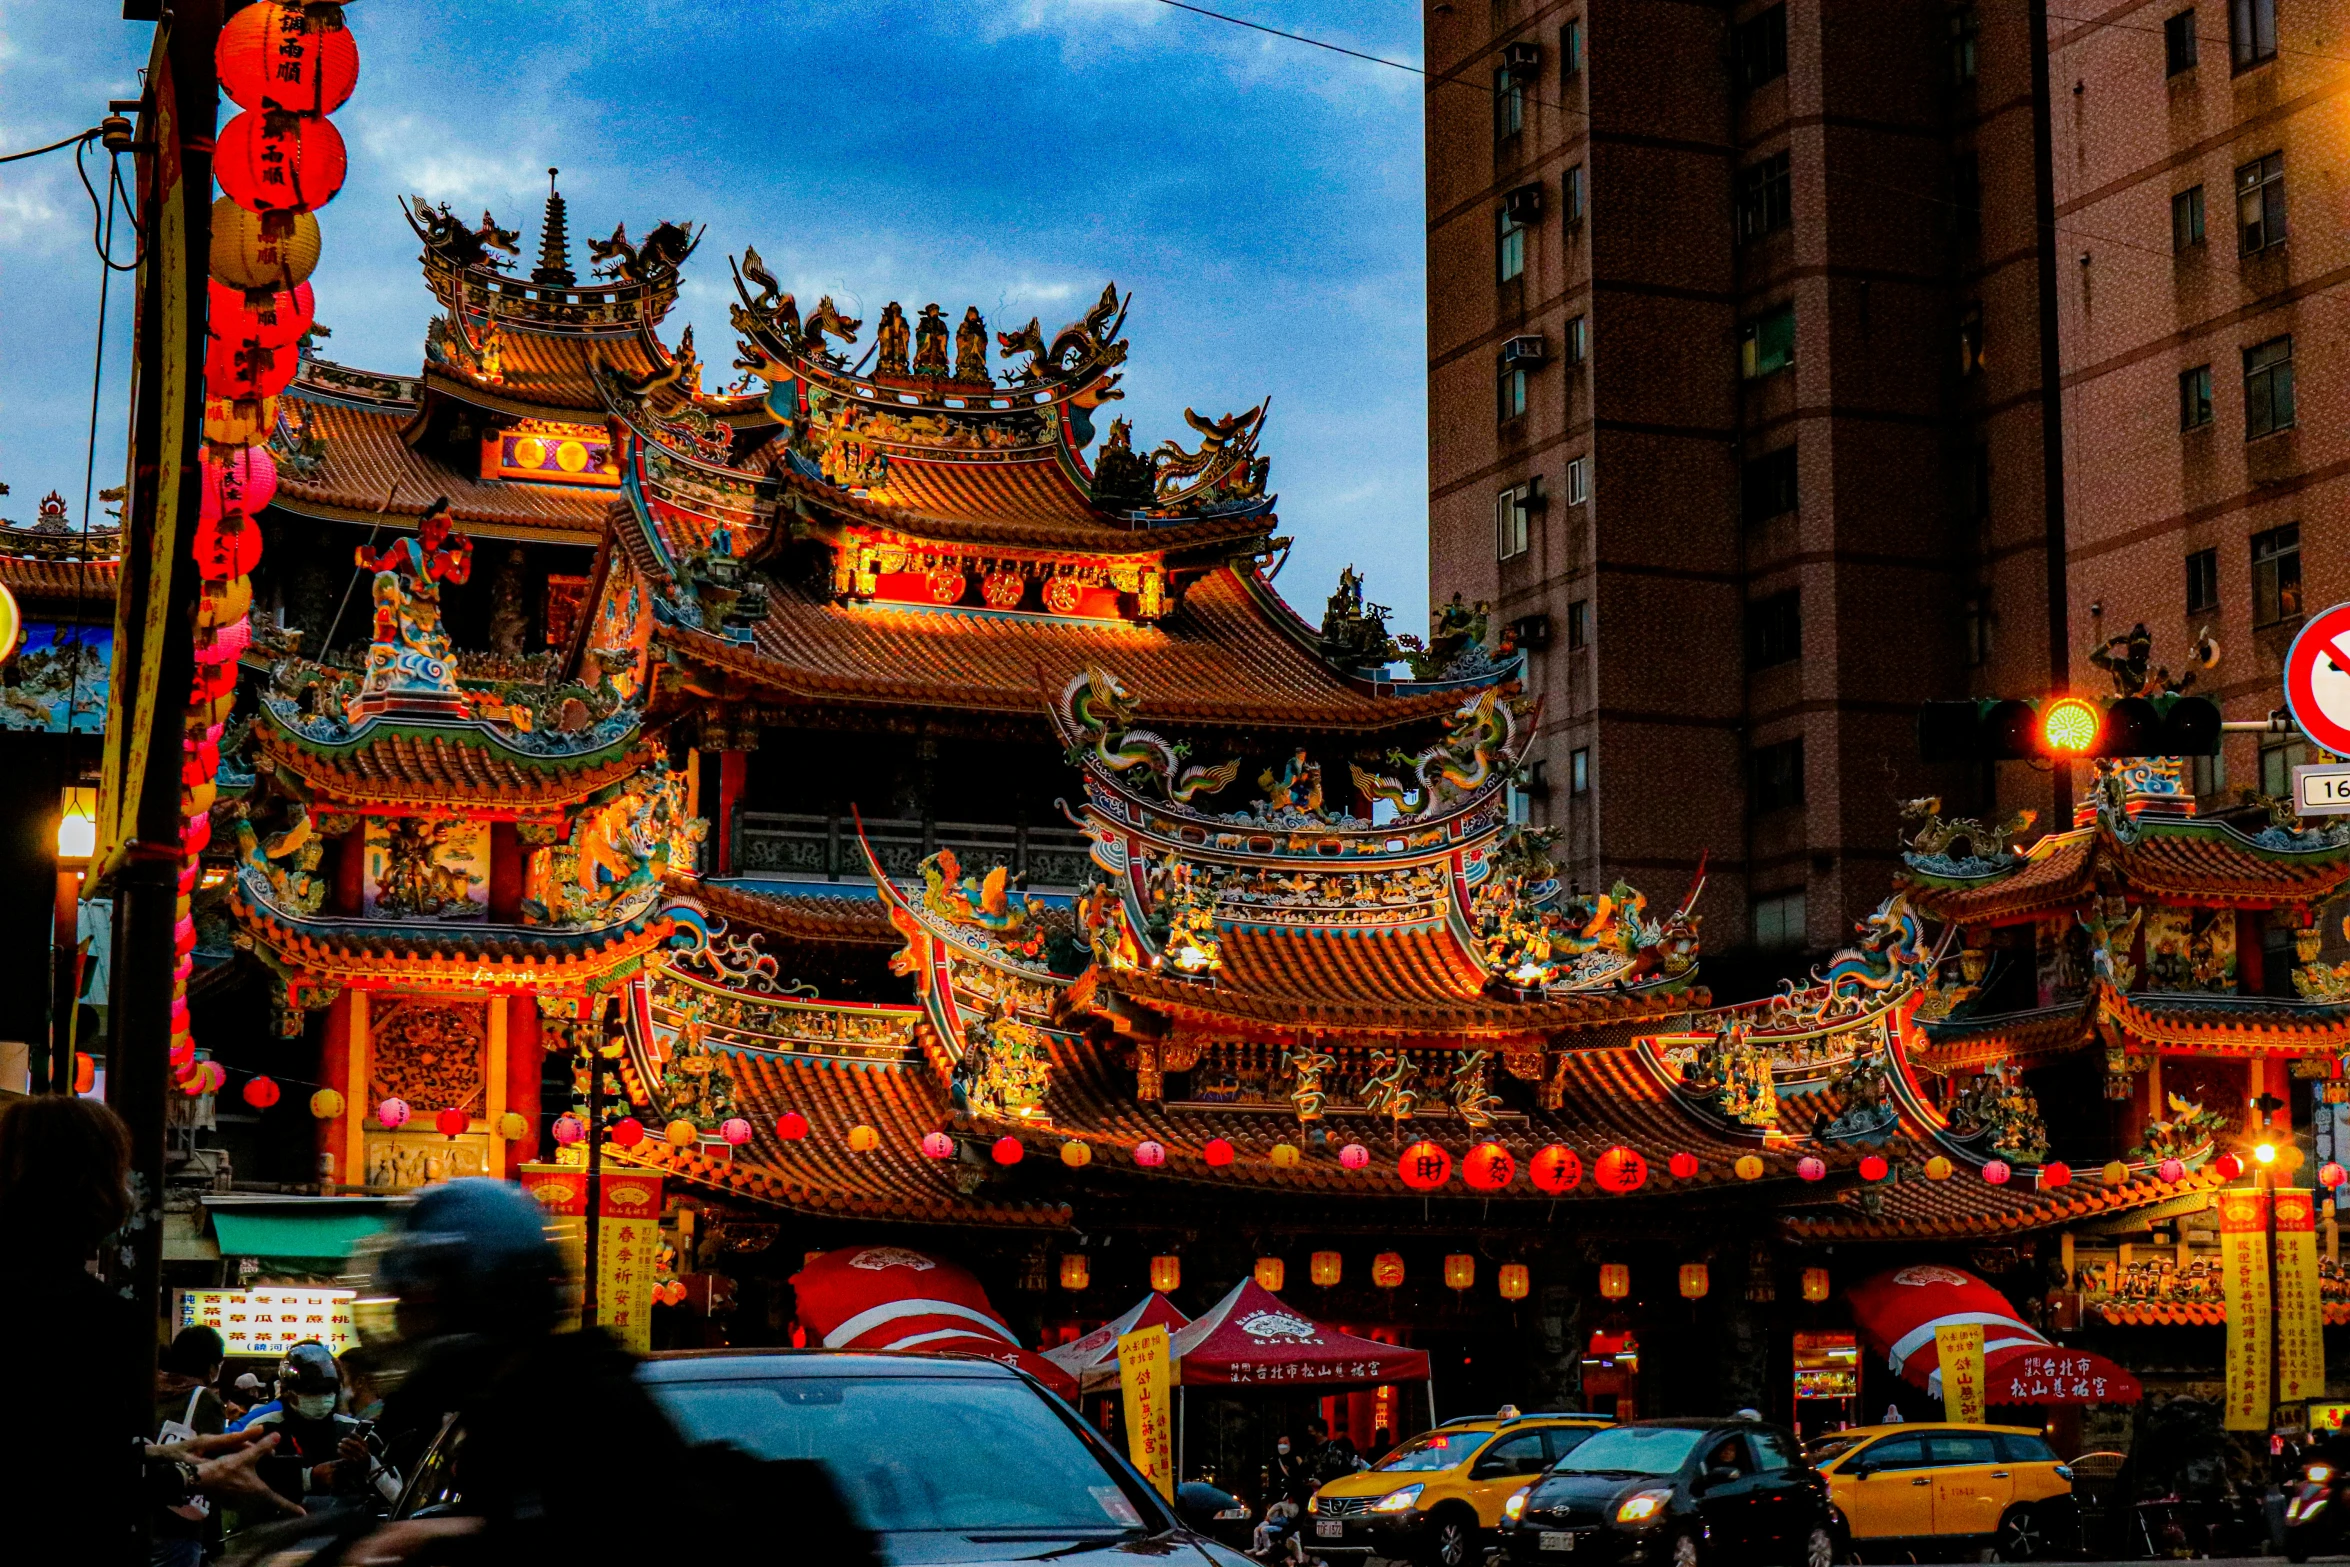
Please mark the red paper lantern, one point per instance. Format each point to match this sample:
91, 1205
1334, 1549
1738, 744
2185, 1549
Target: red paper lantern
628, 1131
1007, 1150
2331, 1175
1488, 1167
2055, 1173
260, 1093
1997, 1172
939, 1146
1683, 1166
1424, 1166
450, 1122
1874, 1168
1619, 1170
274, 318
246, 372
1812, 1167
1555, 1169
1218, 1153
279, 54
2228, 1166
270, 160
791, 1126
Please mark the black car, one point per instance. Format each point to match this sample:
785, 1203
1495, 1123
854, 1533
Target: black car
1677, 1493
950, 1459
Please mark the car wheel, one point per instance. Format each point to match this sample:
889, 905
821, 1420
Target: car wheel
1819, 1548
2021, 1539
1684, 1549
1452, 1541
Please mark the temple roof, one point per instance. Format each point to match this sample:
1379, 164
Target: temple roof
1966, 1207
484, 957
487, 766
2227, 1025
2173, 859
1029, 503
50, 560
798, 916
62, 580
546, 371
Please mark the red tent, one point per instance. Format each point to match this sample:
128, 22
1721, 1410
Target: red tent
1093, 1359
1898, 1312
1250, 1339
890, 1297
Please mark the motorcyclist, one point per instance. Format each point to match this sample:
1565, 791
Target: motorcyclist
319, 1455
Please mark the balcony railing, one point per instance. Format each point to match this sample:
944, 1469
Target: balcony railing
783, 843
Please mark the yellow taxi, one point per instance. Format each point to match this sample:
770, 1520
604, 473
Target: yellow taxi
1900, 1486
1438, 1498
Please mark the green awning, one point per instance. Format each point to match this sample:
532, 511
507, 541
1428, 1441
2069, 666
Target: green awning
284, 1234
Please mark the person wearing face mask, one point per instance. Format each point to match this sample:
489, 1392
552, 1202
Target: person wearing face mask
1292, 1475
319, 1455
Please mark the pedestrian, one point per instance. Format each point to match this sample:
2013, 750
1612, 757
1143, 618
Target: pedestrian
187, 1406
1290, 1471
319, 1454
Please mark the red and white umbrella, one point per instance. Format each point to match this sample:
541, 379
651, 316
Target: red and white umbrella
891, 1297
1898, 1312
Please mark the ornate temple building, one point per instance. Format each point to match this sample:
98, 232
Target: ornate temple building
912, 795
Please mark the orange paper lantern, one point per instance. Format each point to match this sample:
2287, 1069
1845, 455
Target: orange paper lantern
255, 253
1615, 1280
1815, 1285
1683, 1165
1460, 1271
1270, 1273
270, 160
1514, 1281
1619, 1170
261, 1093
1326, 1268
279, 54
1076, 1272
1387, 1270
1488, 1167
1166, 1273
1695, 1280
1424, 1166
863, 1139
1555, 1169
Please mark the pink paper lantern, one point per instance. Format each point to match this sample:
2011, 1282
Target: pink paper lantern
2172, 1170
2331, 1175
1149, 1155
392, 1114
570, 1129
1354, 1156
735, 1130
939, 1146
1997, 1172
1812, 1168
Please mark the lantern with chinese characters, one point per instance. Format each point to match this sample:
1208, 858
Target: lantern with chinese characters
1488, 1167
392, 1114
1812, 1167
628, 1131
1460, 1271
1938, 1168
270, 161
1354, 1156
2172, 1171
449, 1123
681, 1133
1007, 1150
1748, 1167
938, 1145
1873, 1167
1218, 1153
1387, 1270
1149, 1155
2115, 1173
1555, 1169
1076, 1155
1683, 1165
1166, 1273
735, 1130
238, 479
2055, 1173
569, 1129
863, 1139
1997, 1172
1326, 1268
284, 55
1815, 1285
1284, 1156
1615, 1280
1424, 1166
259, 254
791, 1126
326, 1104
513, 1126
1270, 1273
260, 1092
1513, 1281
1619, 1170
274, 318
1695, 1280
1076, 1273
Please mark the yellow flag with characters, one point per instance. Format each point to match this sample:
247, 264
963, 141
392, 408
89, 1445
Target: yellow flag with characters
2243, 1253
1958, 1350
2301, 1345
1145, 1377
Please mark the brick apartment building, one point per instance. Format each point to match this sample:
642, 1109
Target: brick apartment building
1737, 407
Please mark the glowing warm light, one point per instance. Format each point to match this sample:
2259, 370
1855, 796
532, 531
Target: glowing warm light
77, 826
1815, 1285
1615, 1280
2266, 1153
1460, 1271
1695, 1280
1076, 1271
1327, 1267
2070, 724
1514, 1281
1166, 1273
1270, 1273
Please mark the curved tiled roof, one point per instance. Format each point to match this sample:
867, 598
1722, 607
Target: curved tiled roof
2180, 860
393, 763
1967, 1207
1015, 505
2018, 1038
544, 374
49, 580
2233, 1025
799, 916
2192, 1313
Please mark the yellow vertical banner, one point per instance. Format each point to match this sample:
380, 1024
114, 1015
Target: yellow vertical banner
561, 1189
1148, 1382
1958, 1350
2301, 1345
2243, 1252
628, 1244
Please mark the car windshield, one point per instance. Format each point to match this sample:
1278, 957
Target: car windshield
1638, 1450
925, 1454
1431, 1451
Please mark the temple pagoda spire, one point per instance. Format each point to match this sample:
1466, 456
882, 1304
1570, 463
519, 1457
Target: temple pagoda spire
554, 266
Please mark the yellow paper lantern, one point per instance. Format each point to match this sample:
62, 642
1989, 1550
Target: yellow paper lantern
1615, 1280
251, 251
1285, 1155
2115, 1173
864, 1139
1937, 1168
682, 1133
1815, 1285
1166, 1273
1076, 1155
1326, 1268
1749, 1167
1271, 1273
2291, 1156
233, 423
326, 1104
513, 1127
1076, 1272
1387, 1270
1514, 1281
1695, 1281
1460, 1271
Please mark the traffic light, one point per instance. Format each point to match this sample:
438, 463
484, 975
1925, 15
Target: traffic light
2013, 729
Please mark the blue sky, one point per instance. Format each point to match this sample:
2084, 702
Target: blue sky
1262, 199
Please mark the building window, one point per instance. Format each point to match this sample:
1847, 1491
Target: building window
1578, 480
1571, 196
1512, 529
2195, 398
1571, 46
2276, 575
1977, 631
2203, 582
2252, 31
1759, 48
1778, 775
2268, 387
1579, 771
2276, 767
1579, 623
1509, 105
2186, 219
1578, 337
1510, 393
1766, 485
1965, 37
1765, 198
1970, 340
1774, 630
1766, 344
2260, 204
2207, 775
1778, 922
1509, 247
2178, 43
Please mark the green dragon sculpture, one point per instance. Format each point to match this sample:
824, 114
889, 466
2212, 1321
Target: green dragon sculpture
1473, 753
1106, 713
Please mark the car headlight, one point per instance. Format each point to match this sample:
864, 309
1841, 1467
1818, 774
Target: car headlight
1398, 1501
1515, 1508
1641, 1506
2319, 1474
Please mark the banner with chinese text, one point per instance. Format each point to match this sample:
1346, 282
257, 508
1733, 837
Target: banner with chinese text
2243, 1250
2301, 1345
561, 1189
628, 1240
1958, 1350
1146, 1377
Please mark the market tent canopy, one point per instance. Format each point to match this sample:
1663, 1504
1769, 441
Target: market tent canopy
1897, 1314
299, 1227
892, 1297
1250, 1339
1093, 1359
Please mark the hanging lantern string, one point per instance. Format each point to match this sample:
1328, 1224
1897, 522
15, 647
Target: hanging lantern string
101, 236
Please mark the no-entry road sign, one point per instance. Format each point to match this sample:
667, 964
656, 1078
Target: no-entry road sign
2317, 679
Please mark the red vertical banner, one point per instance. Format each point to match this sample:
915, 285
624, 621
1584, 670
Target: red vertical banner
2301, 1345
2243, 1245
628, 1242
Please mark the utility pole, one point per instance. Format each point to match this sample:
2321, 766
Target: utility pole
2053, 547
595, 1180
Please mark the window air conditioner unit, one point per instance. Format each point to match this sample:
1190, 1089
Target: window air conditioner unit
1524, 205
1531, 632
1526, 351
1524, 61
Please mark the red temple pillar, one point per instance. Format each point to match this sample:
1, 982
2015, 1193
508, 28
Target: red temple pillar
2251, 955
506, 859
350, 869
334, 1070
522, 1074
733, 769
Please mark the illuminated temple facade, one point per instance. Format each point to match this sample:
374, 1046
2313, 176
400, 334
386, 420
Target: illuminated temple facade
902, 750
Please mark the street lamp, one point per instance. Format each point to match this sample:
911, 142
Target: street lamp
77, 828
77, 841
